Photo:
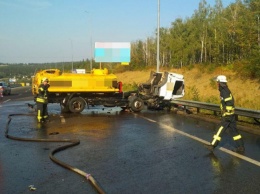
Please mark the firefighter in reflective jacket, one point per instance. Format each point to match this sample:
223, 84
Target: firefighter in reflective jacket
228, 120
42, 100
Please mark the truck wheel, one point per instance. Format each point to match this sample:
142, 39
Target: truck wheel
257, 120
136, 104
76, 105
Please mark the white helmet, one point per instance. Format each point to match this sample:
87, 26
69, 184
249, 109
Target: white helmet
45, 79
221, 78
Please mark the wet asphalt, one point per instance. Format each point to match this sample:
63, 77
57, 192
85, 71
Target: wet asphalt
148, 152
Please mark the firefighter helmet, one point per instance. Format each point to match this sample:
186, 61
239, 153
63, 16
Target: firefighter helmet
221, 78
45, 79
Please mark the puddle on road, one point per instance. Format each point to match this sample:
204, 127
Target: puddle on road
94, 122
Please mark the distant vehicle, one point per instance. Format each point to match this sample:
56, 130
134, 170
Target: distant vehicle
5, 88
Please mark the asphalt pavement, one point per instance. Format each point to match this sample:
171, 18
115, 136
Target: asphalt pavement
148, 152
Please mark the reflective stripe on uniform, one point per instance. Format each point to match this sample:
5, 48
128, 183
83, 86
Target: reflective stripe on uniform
229, 98
217, 137
39, 116
230, 110
228, 113
41, 100
237, 137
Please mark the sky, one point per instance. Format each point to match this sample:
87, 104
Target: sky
42, 31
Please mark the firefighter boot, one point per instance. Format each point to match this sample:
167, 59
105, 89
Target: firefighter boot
240, 146
210, 147
240, 149
40, 120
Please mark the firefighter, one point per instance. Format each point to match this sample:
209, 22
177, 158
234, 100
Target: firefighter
228, 120
42, 101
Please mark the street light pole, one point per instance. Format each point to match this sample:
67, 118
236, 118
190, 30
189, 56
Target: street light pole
90, 31
158, 36
71, 55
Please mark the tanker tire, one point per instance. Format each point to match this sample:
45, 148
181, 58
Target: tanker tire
257, 120
136, 104
76, 105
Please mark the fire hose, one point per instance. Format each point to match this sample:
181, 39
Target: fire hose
73, 142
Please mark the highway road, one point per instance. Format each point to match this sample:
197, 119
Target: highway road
149, 152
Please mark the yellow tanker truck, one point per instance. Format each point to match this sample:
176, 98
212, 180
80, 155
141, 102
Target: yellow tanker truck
74, 91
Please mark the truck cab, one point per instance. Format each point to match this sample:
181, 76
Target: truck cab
161, 88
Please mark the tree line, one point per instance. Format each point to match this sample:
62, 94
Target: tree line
25, 71
212, 35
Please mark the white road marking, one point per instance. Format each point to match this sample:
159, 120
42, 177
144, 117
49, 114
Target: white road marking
6, 100
255, 162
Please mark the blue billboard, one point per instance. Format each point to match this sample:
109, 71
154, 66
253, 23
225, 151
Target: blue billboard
112, 52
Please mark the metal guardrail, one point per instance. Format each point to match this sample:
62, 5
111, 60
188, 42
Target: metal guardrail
214, 107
